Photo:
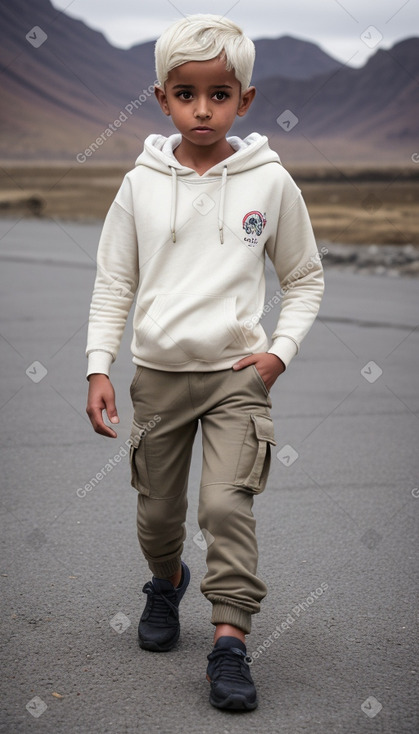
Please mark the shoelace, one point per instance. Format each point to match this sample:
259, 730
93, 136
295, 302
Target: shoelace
230, 662
160, 603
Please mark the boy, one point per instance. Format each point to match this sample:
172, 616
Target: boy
189, 228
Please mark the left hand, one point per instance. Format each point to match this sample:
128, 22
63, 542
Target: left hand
267, 364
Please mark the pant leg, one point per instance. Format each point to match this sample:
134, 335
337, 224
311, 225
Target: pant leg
162, 435
237, 436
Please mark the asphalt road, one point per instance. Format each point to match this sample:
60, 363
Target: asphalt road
337, 523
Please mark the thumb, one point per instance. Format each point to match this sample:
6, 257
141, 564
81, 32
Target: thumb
245, 362
111, 411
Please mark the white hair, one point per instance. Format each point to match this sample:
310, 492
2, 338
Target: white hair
200, 38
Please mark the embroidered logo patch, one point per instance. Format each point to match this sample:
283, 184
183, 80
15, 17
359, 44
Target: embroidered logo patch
253, 224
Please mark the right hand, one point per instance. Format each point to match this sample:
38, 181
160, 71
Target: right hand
101, 397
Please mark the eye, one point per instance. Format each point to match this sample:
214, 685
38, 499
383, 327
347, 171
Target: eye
224, 95
180, 94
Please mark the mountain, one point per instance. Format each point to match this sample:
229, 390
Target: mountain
64, 87
65, 92
379, 102
291, 58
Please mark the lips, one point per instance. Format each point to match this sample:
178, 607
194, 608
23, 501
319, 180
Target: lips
203, 127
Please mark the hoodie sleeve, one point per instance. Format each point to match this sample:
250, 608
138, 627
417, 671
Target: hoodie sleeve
115, 285
297, 262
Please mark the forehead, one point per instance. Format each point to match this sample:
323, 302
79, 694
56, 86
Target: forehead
203, 74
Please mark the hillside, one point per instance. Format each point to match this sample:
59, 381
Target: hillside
62, 91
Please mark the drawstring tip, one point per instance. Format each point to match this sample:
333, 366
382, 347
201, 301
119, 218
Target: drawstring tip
173, 236
221, 236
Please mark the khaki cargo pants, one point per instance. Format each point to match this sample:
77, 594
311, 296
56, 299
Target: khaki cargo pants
237, 434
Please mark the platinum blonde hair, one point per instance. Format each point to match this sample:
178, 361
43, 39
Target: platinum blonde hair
200, 38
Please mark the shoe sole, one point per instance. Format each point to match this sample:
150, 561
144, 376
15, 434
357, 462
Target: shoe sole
233, 702
154, 647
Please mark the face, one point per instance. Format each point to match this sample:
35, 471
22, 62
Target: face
203, 100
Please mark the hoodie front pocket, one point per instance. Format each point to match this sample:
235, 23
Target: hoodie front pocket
180, 327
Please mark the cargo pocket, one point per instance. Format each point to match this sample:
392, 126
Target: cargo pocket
139, 473
255, 456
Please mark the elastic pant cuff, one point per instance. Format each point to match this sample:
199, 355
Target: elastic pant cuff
165, 569
230, 614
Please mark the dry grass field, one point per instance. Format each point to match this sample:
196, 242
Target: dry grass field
354, 205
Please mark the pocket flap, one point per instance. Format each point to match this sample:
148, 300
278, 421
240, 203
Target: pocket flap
137, 433
264, 428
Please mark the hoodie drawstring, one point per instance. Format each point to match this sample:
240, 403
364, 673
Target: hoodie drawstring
220, 205
173, 204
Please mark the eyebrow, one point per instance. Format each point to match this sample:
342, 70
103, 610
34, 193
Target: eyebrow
213, 86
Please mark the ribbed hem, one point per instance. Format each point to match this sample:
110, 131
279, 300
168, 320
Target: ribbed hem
166, 569
99, 361
230, 614
285, 348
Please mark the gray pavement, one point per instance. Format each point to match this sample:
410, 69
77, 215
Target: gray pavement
337, 523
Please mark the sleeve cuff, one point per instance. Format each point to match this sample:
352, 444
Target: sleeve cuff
99, 361
284, 348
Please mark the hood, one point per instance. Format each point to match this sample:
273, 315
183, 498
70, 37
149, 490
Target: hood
251, 152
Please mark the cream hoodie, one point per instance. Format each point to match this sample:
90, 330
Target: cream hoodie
194, 248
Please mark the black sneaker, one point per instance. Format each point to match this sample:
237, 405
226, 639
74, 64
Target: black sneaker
159, 627
228, 672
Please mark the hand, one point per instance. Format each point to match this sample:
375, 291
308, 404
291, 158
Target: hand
101, 397
267, 364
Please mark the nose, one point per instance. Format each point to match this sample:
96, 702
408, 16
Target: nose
202, 108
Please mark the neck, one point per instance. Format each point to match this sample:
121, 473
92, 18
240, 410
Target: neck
202, 157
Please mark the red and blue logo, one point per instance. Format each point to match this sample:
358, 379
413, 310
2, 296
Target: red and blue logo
254, 223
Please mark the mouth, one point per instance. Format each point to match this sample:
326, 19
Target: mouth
203, 128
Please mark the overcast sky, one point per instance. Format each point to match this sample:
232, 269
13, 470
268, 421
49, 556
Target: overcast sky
335, 25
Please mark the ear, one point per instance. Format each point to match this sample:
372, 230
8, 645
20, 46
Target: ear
162, 99
246, 100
